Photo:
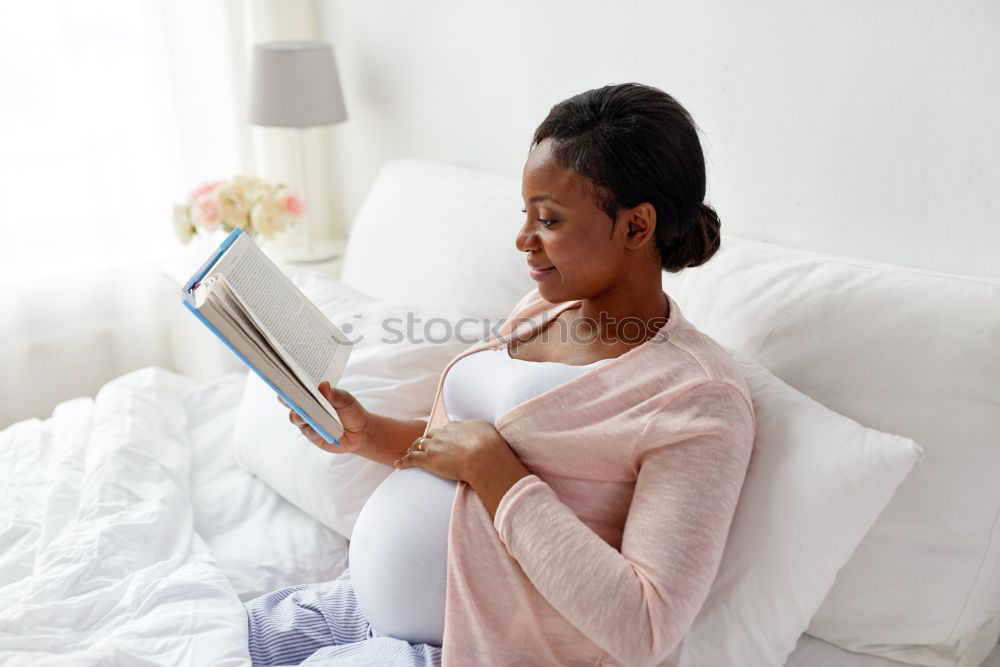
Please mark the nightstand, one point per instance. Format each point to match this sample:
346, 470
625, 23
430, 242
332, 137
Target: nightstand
194, 350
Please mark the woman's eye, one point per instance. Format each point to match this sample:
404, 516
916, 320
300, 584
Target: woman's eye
545, 223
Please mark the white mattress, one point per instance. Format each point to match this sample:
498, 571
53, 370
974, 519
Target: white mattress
129, 534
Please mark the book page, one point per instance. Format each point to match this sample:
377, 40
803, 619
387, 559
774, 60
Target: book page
216, 301
252, 324
294, 323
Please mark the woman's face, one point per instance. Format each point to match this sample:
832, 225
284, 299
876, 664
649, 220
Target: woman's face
565, 230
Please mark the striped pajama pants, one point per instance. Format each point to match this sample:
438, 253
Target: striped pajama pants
321, 624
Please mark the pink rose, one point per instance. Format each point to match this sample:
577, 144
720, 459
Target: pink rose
205, 211
293, 204
204, 190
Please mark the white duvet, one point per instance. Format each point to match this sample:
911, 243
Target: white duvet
99, 559
129, 535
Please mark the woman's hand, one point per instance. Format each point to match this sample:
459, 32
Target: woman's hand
456, 450
357, 422
470, 451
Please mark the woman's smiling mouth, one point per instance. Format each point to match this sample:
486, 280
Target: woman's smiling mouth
540, 271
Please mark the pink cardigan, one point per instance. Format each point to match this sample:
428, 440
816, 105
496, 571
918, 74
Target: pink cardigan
605, 554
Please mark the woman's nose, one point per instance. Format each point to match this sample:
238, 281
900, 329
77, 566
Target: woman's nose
526, 240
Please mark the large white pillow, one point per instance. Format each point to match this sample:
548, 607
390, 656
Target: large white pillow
815, 484
393, 370
261, 541
904, 351
452, 234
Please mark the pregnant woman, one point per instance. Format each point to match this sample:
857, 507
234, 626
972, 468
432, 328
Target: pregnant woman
568, 500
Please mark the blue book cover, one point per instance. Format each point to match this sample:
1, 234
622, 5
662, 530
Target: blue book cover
189, 301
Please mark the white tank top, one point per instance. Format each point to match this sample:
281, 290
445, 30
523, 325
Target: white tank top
399, 547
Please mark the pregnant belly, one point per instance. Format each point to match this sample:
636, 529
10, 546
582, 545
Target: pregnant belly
398, 555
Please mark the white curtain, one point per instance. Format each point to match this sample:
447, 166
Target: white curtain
112, 111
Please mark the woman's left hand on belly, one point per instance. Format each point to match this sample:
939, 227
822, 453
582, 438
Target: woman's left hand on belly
457, 449
469, 451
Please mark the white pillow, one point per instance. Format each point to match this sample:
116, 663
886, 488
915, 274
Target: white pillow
259, 540
904, 351
474, 267
815, 484
391, 373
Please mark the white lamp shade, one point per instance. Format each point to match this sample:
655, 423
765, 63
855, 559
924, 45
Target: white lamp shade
295, 84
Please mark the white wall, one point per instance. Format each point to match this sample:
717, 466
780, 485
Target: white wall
857, 128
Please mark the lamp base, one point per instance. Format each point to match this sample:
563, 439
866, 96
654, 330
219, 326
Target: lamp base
300, 253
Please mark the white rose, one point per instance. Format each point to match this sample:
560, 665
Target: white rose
248, 182
264, 221
182, 223
234, 204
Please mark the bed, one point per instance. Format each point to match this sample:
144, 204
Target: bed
131, 534
164, 471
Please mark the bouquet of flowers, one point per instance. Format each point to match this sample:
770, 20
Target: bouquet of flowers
261, 208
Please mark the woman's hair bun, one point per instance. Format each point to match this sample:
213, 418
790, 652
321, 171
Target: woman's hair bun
696, 244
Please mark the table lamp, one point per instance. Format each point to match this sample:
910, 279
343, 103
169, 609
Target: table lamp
295, 84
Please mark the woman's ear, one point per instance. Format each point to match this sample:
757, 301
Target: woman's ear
640, 225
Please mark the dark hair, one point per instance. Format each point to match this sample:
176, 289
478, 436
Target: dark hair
636, 144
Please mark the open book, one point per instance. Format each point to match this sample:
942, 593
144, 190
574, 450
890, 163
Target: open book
248, 302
